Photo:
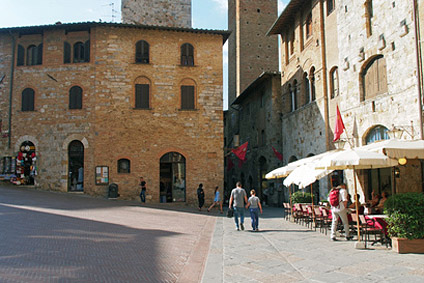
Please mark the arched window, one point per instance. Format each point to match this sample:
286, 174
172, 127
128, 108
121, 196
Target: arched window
34, 55
81, 52
187, 54
307, 91
334, 82
75, 98
312, 79
376, 134
142, 52
28, 100
124, 166
292, 158
374, 78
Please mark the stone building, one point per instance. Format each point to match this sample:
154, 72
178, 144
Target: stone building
85, 105
157, 12
351, 54
253, 61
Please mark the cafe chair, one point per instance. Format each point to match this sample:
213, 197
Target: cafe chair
370, 229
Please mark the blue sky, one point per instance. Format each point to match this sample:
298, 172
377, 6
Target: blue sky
207, 14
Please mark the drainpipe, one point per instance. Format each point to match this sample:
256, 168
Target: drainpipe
419, 68
12, 70
324, 75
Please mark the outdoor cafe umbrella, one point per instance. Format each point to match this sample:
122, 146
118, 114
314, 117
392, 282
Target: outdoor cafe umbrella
410, 149
355, 158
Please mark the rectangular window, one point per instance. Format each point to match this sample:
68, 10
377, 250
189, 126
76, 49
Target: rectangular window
142, 96
330, 6
187, 97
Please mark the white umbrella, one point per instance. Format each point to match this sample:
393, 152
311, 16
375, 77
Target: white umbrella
355, 158
289, 168
305, 175
410, 149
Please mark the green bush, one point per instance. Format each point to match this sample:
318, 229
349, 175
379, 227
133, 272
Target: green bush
406, 215
301, 197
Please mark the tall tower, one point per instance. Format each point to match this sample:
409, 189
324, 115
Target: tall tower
250, 51
175, 13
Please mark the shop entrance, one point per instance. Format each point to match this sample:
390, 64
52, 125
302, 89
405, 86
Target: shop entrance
26, 164
172, 178
76, 167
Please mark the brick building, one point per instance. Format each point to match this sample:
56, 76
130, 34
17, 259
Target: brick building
89, 104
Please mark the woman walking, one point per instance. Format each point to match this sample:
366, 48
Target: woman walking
216, 200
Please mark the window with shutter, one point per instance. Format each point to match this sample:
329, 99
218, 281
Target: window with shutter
142, 52
75, 98
28, 99
187, 54
187, 97
374, 78
87, 51
78, 52
142, 96
32, 55
40, 54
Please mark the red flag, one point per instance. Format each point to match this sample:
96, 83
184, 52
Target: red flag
240, 152
240, 163
277, 154
230, 164
339, 129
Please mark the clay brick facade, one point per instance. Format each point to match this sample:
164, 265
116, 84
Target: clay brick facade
109, 125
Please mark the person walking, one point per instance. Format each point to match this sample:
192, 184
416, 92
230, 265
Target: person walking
216, 200
143, 190
255, 207
238, 198
338, 201
200, 196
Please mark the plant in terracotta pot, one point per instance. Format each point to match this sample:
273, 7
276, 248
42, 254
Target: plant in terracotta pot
406, 222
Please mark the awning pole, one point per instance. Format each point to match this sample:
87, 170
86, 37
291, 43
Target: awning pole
356, 205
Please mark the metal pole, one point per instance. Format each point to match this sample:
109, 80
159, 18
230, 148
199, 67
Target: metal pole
356, 205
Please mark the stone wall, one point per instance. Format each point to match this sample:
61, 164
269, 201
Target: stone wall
157, 12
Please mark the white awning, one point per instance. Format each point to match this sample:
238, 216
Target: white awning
398, 148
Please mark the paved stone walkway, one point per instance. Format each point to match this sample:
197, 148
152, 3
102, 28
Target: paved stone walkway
59, 237
287, 252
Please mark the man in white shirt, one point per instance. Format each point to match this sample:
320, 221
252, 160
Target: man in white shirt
340, 210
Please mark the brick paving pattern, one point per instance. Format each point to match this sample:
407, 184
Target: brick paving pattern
56, 237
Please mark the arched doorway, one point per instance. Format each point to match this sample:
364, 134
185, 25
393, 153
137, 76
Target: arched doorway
26, 163
379, 180
172, 178
76, 166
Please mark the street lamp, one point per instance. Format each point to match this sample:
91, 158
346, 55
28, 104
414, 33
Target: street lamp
340, 143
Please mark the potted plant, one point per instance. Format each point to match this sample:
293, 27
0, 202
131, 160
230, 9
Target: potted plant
406, 222
301, 197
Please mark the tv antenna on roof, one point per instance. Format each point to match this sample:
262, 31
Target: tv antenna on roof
113, 11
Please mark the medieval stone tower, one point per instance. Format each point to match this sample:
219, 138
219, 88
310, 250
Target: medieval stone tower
250, 51
176, 13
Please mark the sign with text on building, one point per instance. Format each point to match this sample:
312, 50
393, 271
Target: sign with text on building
102, 175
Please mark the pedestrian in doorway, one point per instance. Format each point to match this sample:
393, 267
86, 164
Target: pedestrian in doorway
237, 200
255, 207
143, 188
338, 201
216, 200
200, 196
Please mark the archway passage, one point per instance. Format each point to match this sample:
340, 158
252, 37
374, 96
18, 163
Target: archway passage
172, 177
76, 166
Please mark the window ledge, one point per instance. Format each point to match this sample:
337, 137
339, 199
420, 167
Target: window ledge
142, 63
180, 109
187, 65
148, 109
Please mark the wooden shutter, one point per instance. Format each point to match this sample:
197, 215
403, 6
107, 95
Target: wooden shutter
382, 75
87, 51
142, 96
28, 100
40, 54
66, 53
75, 98
21, 56
187, 97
